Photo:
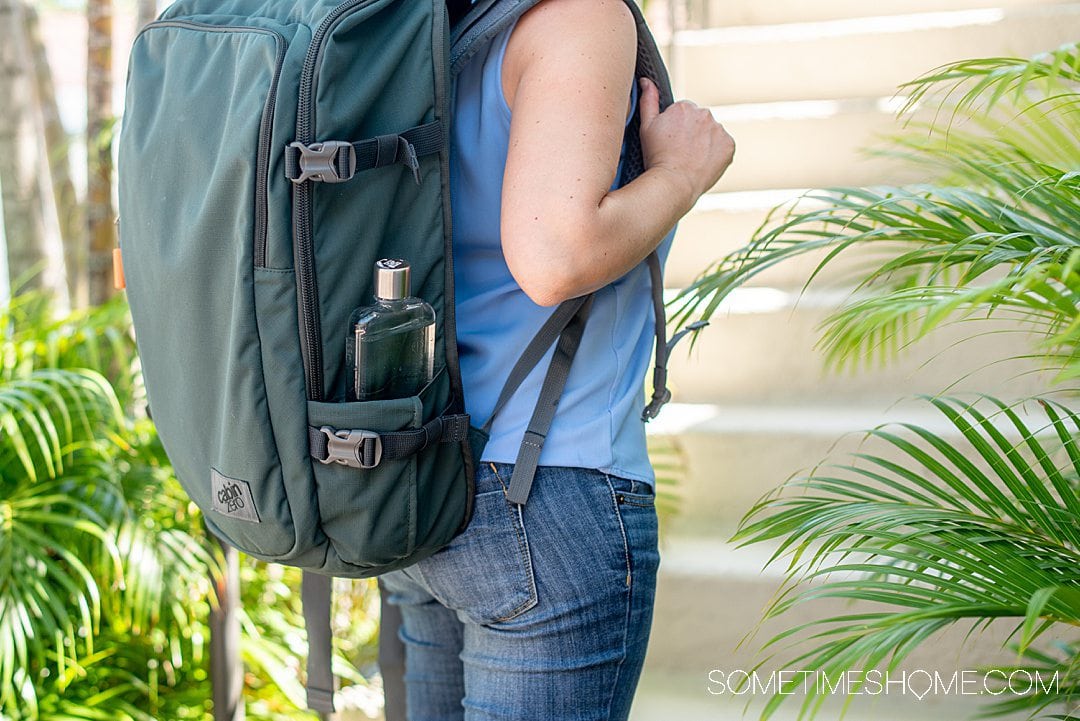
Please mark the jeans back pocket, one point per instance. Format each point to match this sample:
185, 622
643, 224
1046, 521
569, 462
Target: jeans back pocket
486, 571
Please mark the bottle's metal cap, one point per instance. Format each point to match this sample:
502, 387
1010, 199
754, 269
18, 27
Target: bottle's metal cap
391, 279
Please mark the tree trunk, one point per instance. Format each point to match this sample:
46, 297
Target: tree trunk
391, 659
57, 145
226, 668
26, 224
146, 11
100, 218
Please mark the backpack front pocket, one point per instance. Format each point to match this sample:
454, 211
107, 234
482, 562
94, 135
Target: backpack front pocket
195, 162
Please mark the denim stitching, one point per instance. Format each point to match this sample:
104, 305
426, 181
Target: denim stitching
622, 528
629, 592
526, 555
634, 502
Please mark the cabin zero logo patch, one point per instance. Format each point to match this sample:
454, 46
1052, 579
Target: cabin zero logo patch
232, 497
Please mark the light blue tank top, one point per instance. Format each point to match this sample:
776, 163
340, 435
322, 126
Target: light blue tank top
598, 421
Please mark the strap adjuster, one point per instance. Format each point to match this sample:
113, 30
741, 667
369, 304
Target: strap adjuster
321, 161
653, 409
353, 448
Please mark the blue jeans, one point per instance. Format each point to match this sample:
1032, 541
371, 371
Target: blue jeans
536, 612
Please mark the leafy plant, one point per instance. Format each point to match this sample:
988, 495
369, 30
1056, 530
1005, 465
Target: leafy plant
984, 529
106, 569
994, 236
971, 530
60, 498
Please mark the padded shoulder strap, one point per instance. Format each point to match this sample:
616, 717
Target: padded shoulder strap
483, 22
486, 20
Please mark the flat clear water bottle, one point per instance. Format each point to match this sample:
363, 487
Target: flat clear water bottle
390, 348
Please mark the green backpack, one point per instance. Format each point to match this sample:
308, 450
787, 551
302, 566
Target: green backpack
271, 152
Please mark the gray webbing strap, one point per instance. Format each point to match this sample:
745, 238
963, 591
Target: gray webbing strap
366, 449
336, 161
315, 597
661, 394
533, 443
534, 352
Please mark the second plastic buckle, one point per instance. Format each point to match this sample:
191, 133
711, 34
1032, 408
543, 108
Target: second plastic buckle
352, 447
318, 161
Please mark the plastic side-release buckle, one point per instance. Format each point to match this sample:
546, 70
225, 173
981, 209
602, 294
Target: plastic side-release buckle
320, 161
353, 448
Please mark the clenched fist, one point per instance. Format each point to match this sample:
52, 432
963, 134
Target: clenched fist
684, 139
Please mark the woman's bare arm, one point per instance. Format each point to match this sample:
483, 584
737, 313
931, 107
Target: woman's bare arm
566, 76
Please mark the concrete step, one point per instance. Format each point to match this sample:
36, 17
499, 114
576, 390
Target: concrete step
814, 144
725, 13
864, 57
732, 455
760, 349
710, 599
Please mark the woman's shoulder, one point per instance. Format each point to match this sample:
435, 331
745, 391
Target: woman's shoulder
598, 37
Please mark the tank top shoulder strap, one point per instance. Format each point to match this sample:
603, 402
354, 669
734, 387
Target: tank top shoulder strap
493, 65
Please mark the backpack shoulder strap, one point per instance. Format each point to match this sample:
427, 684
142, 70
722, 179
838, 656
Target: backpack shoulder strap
566, 324
485, 20
532, 444
549, 332
650, 65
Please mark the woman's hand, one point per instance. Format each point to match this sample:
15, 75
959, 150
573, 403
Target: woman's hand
684, 140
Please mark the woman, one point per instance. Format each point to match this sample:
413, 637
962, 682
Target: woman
543, 611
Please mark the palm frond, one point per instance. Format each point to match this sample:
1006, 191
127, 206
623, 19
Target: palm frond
977, 85
939, 251
668, 459
60, 502
98, 338
980, 523
1044, 298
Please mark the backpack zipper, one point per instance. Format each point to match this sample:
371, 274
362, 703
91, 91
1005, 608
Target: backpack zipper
303, 249
266, 124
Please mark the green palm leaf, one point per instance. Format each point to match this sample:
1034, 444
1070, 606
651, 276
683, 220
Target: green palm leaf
97, 338
989, 527
983, 82
60, 500
994, 236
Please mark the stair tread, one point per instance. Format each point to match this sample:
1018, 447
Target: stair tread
717, 558
726, 13
847, 27
809, 419
853, 57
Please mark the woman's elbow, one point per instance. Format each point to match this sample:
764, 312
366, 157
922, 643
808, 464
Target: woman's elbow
551, 261
546, 291
547, 282
543, 263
